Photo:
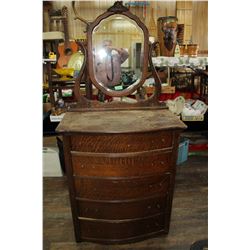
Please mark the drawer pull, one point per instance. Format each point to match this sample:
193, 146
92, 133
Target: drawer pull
163, 140
149, 207
158, 206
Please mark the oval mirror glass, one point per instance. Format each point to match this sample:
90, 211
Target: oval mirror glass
117, 46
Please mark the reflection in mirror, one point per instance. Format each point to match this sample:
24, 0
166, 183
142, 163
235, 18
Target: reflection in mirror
118, 52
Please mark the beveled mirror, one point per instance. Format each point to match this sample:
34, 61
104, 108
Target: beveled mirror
117, 47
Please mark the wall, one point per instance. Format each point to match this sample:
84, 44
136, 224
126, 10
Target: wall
89, 10
200, 24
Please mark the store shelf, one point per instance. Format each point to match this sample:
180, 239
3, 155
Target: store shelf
46, 60
53, 35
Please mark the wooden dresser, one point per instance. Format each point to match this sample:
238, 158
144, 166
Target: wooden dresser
121, 172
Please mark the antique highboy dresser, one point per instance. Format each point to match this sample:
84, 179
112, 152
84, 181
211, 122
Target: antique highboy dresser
120, 156
121, 172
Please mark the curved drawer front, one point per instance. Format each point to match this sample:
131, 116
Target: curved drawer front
111, 210
121, 188
118, 143
121, 230
134, 165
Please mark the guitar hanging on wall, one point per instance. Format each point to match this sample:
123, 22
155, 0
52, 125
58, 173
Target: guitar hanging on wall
67, 48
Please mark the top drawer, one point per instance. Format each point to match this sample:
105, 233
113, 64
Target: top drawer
118, 143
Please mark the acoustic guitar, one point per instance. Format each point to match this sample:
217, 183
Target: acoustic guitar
67, 48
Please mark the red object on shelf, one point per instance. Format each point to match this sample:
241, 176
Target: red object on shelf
198, 147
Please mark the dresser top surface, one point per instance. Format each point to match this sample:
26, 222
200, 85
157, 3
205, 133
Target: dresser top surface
122, 121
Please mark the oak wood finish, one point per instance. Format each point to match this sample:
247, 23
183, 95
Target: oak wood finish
120, 122
148, 164
120, 160
121, 172
128, 209
188, 219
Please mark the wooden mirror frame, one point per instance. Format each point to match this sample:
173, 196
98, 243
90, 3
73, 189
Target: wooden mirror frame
118, 8
86, 104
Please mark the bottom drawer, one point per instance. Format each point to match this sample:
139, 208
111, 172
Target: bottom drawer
120, 230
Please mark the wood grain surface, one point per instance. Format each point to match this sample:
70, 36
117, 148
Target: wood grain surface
128, 209
121, 188
120, 143
129, 121
108, 231
188, 220
125, 163
149, 164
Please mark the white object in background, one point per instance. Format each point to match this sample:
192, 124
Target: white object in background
176, 106
51, 162
177, 51
125, 64
55, 96
151, 39
201, 106
56, 118
149, 81
188, 110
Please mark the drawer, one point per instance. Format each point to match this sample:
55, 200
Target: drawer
121, 165
119, 143
111, 210
96, 188
104, 230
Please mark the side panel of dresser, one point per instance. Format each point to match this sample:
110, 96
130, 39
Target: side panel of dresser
176, 136
71, 186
